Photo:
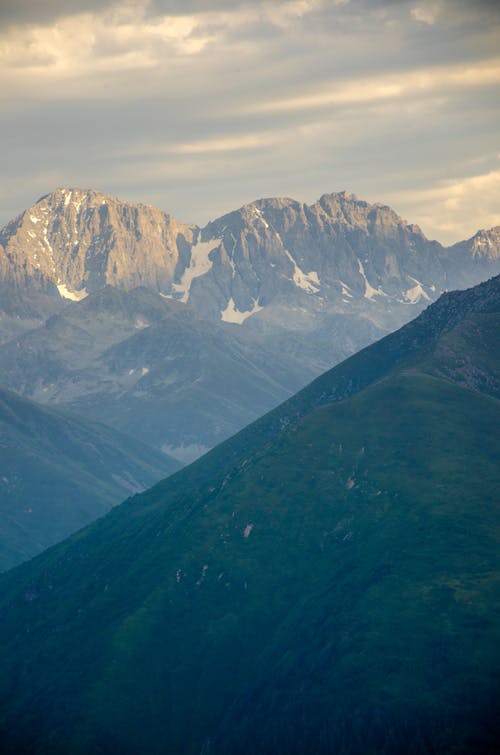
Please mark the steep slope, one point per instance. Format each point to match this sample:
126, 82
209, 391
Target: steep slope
327, 581
152, 367
58, 473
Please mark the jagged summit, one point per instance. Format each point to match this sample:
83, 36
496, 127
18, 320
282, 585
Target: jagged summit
274, 261
80, 240
485, 243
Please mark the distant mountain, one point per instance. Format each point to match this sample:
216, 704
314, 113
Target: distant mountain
282, 267
476, 256
59, 472
152, 367
325, 581
23, 309
240, 314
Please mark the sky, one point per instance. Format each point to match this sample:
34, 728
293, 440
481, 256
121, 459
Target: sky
199, 106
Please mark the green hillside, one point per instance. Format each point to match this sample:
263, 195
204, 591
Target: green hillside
58, 472
327, 581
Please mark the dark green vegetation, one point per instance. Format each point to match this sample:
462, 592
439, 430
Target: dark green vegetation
327, 581
58, 473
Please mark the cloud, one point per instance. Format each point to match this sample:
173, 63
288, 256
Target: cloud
201, 104
80, 44
427, 12
392, 86
120, 38
454, 208
20, 12
238, 143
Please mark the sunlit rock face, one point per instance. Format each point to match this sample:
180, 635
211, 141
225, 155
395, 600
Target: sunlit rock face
273, 260
81, 240
228, 319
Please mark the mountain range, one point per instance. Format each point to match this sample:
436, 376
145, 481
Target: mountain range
152, 367
325, 581
327, 253
181, 335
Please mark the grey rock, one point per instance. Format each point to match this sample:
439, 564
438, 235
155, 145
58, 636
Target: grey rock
252, 307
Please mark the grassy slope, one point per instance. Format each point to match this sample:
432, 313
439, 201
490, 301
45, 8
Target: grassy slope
58, 472
362, 607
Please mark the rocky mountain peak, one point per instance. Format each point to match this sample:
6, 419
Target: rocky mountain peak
80, 240
296, 261
486, 243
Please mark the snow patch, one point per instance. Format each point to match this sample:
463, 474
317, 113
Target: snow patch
345, 289
125, 480
34, 219
260, 215
370, 292
49, 247
185, 453
231, 314
73, 295
306, 281
416, 293
199, 265
144, 371
67, 198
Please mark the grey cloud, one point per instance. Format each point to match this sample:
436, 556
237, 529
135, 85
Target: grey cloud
28, 11
120, 131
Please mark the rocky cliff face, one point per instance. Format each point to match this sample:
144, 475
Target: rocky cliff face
317, 281
80, 241
332, 256
274, 260
279, 255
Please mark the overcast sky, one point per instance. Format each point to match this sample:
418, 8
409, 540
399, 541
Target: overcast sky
199, 106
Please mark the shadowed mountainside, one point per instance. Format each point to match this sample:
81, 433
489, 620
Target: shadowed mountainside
59, 472
327, 580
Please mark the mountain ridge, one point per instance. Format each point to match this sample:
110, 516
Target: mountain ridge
151, 367
83, 239
285, 286
326, 578
59, 471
